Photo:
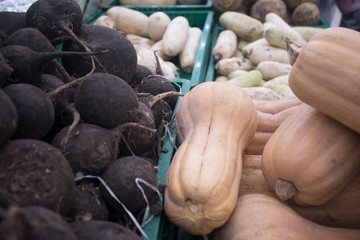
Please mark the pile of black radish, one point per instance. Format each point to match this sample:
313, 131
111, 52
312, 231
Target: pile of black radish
81, 128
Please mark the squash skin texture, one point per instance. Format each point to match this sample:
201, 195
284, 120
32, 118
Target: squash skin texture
326, 75
258, 217
316, 153
342, 211
214, 123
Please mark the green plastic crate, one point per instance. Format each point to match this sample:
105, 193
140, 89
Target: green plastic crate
210, 73
94, 10
160, 228
202, 20
205, 5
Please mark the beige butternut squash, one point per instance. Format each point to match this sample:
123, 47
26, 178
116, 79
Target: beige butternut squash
342, 211
277, 106
259, 216
269, 119
203, 179
326, 74
310, 157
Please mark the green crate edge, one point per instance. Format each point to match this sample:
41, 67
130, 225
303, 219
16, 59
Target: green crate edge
155, 228
207, 6
201, 61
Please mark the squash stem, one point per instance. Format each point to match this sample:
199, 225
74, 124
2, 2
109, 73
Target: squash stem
293, 50
285, 190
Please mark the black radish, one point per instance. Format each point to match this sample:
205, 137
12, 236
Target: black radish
27, 64
36, 113
121, 177
105, 230
35, 40
136, 140
55, 18
11, 21
88, 204
120, 60
105, 100
91, 148
34, 223
8, 117
34, 172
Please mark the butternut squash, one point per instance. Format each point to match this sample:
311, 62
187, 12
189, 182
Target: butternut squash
203, 179
342, 211
310, 157
269, 119
279, 105
326, 74
259, 216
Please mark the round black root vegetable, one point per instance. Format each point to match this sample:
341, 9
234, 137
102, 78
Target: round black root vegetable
120, 176
11, 21
137, 140
55, 18
120, 60
141, 72
35, 40
89, 148
35, 223
65, 111
104, 230
156, 85
8, 117
161, 110
5, 70
88, 204
33, 172
35, 110
28, 65
105, 100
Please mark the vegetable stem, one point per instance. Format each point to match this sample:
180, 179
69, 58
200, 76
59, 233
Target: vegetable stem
285, 190
293, 50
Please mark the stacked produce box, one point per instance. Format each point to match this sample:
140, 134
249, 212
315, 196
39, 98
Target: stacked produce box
254, 133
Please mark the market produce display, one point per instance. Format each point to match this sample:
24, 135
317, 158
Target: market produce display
186, 119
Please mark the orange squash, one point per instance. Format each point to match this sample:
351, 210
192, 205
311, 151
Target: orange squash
341, 211
270, 114
326, 74
214, 123
310, 157
258, 216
